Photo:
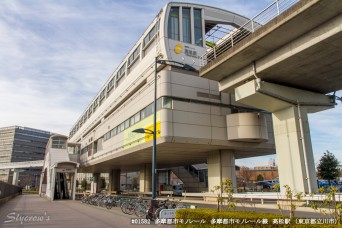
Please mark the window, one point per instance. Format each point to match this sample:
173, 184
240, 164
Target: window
113, 132
110, 85
167, 102
186, 25
151, 34
121, 71
134, 55
173, 23
131, 120
122, 127
198, 27
127, 124
137, 117
102, 94
58, 143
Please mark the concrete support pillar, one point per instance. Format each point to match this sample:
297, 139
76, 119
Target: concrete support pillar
74, 177
15, 176
114, 180
96, 177
221, 165
294, 151
289, 107
145, 178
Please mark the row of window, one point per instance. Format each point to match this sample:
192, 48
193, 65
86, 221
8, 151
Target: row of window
117, 78
163, 102
174, 22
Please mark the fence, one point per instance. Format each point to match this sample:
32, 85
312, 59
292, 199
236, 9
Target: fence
8, 191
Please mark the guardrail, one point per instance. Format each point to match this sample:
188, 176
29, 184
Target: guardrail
262, 196
238, 34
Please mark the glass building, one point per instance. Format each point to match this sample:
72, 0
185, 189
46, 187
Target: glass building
20, 144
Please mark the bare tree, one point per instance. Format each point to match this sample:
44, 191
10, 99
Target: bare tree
245, 175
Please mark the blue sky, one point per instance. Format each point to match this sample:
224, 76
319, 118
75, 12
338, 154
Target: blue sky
56, 55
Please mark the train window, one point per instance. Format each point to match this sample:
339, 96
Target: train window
173, 23
198, 27
186, 24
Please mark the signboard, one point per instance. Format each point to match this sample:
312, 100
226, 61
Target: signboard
167, 214
132, 139
65, 170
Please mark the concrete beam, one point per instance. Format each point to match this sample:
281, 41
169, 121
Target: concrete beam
272, 97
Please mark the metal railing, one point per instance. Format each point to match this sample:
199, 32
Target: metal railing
238, 34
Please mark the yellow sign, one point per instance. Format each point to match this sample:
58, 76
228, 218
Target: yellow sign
178, 49
133, 139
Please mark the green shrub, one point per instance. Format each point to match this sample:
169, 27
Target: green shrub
30, 192
204, 217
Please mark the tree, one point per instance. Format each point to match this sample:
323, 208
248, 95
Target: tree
328, 167
260, 177
245, 175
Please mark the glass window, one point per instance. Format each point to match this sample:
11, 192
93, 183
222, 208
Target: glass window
167, 102
113, 132
102, 94
121, 71
127, 124
173, 23
132, 120
186, 25
137, 117
122, 127
158, 103
198, 27
58, 143
134, 55
148, 110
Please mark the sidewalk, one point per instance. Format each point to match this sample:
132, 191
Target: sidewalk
34, 211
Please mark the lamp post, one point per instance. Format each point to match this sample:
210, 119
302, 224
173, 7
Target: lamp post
154, 132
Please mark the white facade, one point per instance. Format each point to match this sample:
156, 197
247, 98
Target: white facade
58, 178
192, 114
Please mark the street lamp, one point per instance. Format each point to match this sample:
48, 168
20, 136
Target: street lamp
154, 132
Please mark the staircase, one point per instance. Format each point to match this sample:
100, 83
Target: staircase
193, 179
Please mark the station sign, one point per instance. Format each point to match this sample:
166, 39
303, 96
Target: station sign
65, 170
167, 214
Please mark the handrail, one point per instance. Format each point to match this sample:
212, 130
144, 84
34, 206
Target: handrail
238, 34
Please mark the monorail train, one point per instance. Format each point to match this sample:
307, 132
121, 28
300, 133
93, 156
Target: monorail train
191, 109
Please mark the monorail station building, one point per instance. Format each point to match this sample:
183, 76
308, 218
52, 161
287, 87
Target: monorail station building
196, 123
58, 177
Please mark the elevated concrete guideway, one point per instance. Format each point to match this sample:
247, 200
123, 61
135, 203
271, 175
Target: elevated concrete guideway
286, 67
18, 165
301, 48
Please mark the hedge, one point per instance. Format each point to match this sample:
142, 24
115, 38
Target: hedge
212, 218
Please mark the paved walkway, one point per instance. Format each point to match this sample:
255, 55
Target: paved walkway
33, 211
